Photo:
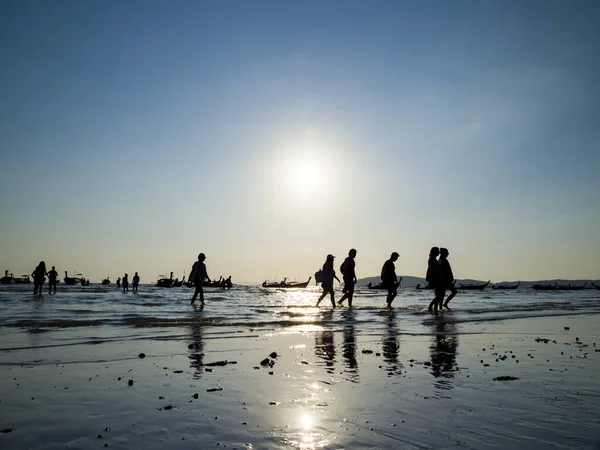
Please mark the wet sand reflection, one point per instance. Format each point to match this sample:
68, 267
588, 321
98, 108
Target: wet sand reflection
443, 351
196, 344
349, 347
390, 346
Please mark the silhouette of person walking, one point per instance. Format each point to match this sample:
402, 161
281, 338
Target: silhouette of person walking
125, 282
136, 281
38, 278
197, 276
328, 277
52, 280
349, 276
447, 277
389, 278
432, 277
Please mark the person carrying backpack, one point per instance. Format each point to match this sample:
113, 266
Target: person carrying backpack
328, 277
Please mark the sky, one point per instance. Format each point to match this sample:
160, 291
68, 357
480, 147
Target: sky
267, 134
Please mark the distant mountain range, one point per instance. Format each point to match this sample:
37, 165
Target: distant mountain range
409, 281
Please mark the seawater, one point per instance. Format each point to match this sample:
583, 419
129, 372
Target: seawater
98, 313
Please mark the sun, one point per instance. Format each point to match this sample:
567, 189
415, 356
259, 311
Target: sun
305, 177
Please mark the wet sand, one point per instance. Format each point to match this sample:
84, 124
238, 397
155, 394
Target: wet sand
334, 388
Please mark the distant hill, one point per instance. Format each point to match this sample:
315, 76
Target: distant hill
410, 281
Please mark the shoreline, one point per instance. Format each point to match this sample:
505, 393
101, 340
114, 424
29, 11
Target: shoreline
326, 388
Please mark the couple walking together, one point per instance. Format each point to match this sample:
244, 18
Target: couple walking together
440, 277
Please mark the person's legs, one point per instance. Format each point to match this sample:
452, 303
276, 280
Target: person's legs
196, 292
436, 303
332, 295
453, 291
323, 294
392, 292
350, 296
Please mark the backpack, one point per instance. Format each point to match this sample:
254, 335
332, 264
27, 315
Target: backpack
342, 267
319, 276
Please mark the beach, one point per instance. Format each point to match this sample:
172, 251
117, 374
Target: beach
97, 368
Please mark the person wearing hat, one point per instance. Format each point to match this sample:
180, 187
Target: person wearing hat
328, 277
390, 279
197, 276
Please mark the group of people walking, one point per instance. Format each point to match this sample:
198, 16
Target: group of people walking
327, 274
439, 275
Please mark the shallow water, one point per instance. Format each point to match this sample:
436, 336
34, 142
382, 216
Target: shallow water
254, 306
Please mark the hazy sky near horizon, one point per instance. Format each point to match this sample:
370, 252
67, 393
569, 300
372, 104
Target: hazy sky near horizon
136, 134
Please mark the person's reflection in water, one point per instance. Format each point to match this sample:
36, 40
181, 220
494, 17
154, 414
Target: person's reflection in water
324, 342
390, 346
443, 353
349, 347
196, 345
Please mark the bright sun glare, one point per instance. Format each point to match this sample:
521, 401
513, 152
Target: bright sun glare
305, 176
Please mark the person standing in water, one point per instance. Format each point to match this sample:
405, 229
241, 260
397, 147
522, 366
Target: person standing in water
432, 278
328, 277
349, 276
39, 276
136, 281
52, 280
119, 282
197, 276
125, 282
390, 279
446, 277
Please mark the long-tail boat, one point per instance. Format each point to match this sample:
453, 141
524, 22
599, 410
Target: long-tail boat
381, 285
163, 281
77, 280
286, 284
473, 287
569, 287
506, 286
544, 287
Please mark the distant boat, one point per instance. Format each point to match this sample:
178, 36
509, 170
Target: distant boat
544, 287
569, 287
165, 282
418, 286
223, 283
24, 279
77, 280
382, 286
597, 287
473, 287
6, 279
106, 282
286, 284
506, 286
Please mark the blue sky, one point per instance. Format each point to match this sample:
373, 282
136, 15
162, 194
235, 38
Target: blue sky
267, 134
